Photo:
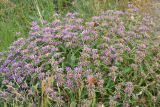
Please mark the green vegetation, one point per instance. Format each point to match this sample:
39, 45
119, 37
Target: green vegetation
16, 16
94, 53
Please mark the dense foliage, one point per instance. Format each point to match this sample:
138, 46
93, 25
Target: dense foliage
113, 60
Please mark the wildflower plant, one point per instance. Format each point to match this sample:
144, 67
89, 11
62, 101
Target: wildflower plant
113, 60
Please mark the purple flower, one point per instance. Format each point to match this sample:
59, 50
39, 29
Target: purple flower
69, 84
4, 82
34, 23
68, 69
5, 69
41, 76
3, 95
24, 85
44, 22
129, 88
19, 80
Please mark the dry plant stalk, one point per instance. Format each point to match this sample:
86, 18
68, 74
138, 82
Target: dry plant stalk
123, 4
46, 83
143, 5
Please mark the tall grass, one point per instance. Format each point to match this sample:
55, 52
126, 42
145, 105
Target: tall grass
94, 7
89, 8
16, 15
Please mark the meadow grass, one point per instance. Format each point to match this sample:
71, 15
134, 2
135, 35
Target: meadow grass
111, 57
70, 62
16, 15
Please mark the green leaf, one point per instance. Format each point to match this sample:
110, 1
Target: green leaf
73, 60
127, 69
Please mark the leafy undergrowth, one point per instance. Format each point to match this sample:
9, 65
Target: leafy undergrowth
113, 60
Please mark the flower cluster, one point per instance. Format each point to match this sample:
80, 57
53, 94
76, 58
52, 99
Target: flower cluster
72, 61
